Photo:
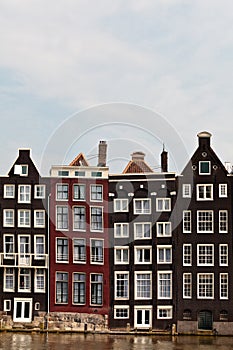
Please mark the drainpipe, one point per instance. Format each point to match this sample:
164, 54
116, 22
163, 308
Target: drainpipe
48, 245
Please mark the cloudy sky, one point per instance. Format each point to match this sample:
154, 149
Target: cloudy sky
122, 61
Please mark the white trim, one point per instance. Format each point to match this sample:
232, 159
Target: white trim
205, 256
5, 307
102, 212
160, 297
56, 248
190, 276
4, 217
102, 193
142, 248
199, 167
223, 221
164, 247
73, 191
62, 199
163, 225
35, 218
167, 308
56, 213
24, 217
220, 255
121, 307
121, 225
122, 209
198, 283
79, 281
35, 191
220, 285
142, 210
25, 193
126, 273
205, 187
37, 290
38, 256
5, 187
212, 221
121, 261
143, 308
101, 262
220, 187
184, 255
23, 301
85, 246
186, 190
73, 215
189, 221
148, 273
164, 201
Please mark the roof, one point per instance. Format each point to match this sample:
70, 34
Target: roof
80, 160
137, 166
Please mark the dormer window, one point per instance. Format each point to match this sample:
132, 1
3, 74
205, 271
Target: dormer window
21, 170
204, 168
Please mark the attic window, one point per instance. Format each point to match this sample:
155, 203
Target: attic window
96, 174
204, 168
79, 173
21, 169
63, 173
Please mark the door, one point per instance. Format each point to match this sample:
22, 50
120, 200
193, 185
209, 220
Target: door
205, 320
22, 310
142, 318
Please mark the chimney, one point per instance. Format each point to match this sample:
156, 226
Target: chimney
204, 139
138, 156
164, 161
102, 153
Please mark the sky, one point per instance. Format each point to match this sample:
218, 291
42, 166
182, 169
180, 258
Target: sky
139, 74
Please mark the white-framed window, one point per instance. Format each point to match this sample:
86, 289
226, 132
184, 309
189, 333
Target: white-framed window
223, 283
222, 190
96, 218
164, 312
21, 169
223, 221
24, 218
79, 192
143, 285
24, 280
9, 246
205, 255
187, 254
7, 305
39, 280
187, 285
62, 251
121, 255
79, 288
121, 205
204, 168
164, 284
9, 279
62, 287
39, 191
223, 254
142, 230
79, 218
163, 204
164, 254
142, 255
204, 192
121, 285
24, 193
97, 193
62, 217
164, 229
205, 285
8, 217
97, 251
24, 247
121, 312
205, 220
39, 247
187, 221
62, 192
39, 218
9, 191
186, 190
142, 206
96, 288
79, 250
37, 306
121, 230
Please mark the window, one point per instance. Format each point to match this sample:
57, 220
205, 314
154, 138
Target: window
164, 284
39, 191
97, 251
79, 192
187, 221
62, 250
39, 280
79, 218
63, 173
121, 312
204, 192
61, 287
142, 206
79, 250
62, 217
186, 190
143, 287
222, 190
24, 247
204, 168
21, 169
9, 191
205, 220
79, 173
96, 174
187, 285
205, 285
24, 218
24, 280
7, 305
96, 219
121, 255
223, 255
79, 288
187, 254
187, 314
9, 248
164, 254
97, 193
9, 279
121, 205
164, 312
223, 285
39, 248
96, 289
163, 204
164, 229
8, 218
62, 192
223, 315
205, 255
142, 230
39, 218
24, 194
37, 306
142, 255
223, 221
121, 230
121, 285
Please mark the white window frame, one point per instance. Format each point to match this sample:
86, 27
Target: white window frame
123, 205
24, 249
141, 202
205, 256
81, 280
40, 219
121, 226
160, 296
164, 225
142, 249
7, 305
39, 256
24, 290
41, 189
223, 255
206, 288
222, 190
24, 220
221, 221
6, 186
186, 190
100, 258
25, 193
64, 257
82, 198
142, 290
67, 192
63, 215
166, 204
101, 228
200, 163
21, 169
125, 288
121, 261
187, 219
189, 284
167, 309
13, 279
221, 286
187, 255
121, 307
164, 248
83, 258
83, 229
5, 211
205, 188
211, 230
96, 192
9, 255
37, 274
143, 231
99, 282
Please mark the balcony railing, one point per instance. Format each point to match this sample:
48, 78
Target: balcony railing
23, 260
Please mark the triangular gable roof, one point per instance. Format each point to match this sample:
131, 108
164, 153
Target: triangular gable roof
137, 166
80, 160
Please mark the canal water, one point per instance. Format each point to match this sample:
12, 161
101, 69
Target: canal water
28, 341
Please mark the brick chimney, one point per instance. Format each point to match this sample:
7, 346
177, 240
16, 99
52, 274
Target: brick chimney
102, 155
164, 161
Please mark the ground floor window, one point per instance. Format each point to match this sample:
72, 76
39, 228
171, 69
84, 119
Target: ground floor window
96, 289
79, 286
62, 287
164, 312
121, 312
